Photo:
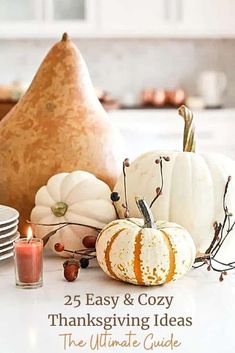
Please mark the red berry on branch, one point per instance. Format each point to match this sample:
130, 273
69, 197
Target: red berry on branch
89, 241
126, 162
59, 247
221, 278
158, 190
166, 158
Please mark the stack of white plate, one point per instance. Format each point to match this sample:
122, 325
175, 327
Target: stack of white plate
9, 219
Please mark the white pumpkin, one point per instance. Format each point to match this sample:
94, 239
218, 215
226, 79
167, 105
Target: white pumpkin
193, 189
72, 197
144, 253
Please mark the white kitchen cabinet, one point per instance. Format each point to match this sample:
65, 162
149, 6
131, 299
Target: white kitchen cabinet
16, 10
168, 18
118, 18
130, 17
46, 18
208, 18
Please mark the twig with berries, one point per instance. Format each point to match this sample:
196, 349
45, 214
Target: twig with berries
72, 266
60, 225
125, 164
221, 232
115, 195
160, 188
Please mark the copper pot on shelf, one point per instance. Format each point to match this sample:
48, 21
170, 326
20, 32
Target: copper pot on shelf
153, 97
147, 96
175, 97
159, 98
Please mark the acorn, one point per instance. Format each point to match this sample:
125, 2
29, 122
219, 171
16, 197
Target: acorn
71, 269
89, 241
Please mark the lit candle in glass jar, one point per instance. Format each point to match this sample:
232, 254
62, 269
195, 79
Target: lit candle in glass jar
28, 261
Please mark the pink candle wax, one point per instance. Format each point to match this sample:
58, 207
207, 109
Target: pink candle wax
28, 257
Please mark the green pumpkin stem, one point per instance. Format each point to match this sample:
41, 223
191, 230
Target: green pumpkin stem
59, 209
145, 212
189, 143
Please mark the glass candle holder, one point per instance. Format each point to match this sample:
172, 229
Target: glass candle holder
28, 262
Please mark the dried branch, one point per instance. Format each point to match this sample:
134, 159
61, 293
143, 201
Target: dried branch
60, 225
160, 188
221, 232
125, 164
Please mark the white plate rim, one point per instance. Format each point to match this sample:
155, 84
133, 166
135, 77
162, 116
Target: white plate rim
17, 236
10, 247
9, 234
11, 219
6, 256
11, 225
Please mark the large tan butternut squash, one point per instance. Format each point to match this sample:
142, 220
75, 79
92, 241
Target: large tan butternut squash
57, 126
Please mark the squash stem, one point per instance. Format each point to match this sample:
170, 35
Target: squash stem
146, 213
65, 37
189, 143
59, 209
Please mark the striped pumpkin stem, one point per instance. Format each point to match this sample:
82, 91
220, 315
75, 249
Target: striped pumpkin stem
146, 213
189, 129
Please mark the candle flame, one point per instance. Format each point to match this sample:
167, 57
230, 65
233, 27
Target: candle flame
29, 234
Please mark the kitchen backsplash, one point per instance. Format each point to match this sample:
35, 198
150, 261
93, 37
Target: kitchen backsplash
125, 66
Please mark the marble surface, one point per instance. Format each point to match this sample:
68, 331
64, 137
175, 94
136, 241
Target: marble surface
25, 327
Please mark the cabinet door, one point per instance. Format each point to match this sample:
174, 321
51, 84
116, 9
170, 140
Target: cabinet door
18, 11
69, 10
72, 15
135, 16
208, 17
46, 18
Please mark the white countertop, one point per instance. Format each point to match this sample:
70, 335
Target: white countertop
24, 324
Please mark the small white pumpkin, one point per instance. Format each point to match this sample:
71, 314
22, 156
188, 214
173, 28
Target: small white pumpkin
193, 189
145, 253
72, 197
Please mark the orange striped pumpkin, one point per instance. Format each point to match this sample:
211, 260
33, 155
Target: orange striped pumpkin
145, 253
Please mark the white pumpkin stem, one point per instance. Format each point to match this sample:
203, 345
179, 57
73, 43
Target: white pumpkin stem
146, 213
59, 209
189, 144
